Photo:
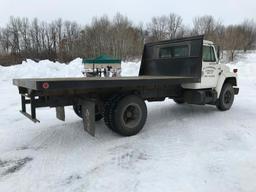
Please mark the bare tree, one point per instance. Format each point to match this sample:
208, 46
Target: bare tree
174, 25
233, 40
248, 28
158, 28
35, 37
53, 39
5, 41
14, 29
59, 25
204, 25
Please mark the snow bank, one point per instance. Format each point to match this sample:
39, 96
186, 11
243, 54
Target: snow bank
130, 68
45, 68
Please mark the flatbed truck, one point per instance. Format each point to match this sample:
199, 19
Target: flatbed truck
186, 70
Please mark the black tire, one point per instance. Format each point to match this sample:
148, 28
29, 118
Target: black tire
78, 112
128, 115
226, 98
109, 107
179, 101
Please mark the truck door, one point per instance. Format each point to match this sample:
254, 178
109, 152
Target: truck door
210, 68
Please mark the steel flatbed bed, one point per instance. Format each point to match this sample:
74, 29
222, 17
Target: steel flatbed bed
99, 82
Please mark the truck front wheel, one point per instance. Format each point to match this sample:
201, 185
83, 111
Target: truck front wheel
226, 98
78, 110
129, 115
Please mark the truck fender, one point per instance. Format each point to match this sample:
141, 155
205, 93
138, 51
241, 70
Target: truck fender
222, 80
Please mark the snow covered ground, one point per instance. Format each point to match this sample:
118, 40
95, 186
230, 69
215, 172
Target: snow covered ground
181, 148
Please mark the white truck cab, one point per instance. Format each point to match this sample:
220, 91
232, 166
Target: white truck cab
215, 76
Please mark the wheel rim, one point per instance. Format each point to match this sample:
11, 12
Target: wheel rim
131, 115
227, 97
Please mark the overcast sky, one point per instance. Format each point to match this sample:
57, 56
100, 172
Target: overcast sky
229, 11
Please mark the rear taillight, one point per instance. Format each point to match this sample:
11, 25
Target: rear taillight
235, 70
45, 85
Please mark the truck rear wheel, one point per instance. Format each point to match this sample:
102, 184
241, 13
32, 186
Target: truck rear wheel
78, 110
128, 116
226, 98
109, 107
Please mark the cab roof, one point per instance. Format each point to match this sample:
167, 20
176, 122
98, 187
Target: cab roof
206, 42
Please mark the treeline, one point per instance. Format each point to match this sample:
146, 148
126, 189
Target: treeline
63, 41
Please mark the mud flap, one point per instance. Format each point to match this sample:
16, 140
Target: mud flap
60, 113
88, 114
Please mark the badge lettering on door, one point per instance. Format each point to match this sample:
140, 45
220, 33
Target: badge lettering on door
209, 71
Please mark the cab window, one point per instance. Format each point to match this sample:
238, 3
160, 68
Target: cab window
208, 54
181, 51
165, 52
174, 52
